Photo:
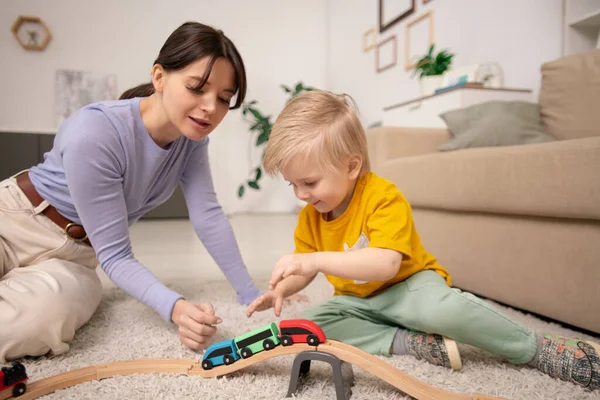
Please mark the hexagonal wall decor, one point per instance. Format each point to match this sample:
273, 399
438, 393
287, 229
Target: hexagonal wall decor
31, 33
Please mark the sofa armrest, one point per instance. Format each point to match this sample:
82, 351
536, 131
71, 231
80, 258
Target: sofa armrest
390, 142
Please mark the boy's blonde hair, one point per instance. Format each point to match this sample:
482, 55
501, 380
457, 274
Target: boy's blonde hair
318, 123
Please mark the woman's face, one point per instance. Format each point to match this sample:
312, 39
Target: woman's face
196, 111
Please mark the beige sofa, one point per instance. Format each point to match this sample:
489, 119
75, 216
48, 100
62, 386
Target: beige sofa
516, 224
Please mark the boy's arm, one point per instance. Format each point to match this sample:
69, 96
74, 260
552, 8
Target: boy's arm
368, 264
293, 284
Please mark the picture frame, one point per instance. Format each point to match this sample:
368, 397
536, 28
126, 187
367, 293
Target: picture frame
31, 32
419, 37
370, 40
386, 54
393, 11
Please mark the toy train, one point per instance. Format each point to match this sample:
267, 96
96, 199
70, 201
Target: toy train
264, 338
14, 378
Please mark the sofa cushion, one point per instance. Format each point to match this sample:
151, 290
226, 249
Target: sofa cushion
558, 179
494, 123
570, 96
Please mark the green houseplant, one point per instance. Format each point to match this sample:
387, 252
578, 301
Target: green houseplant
261, 126
431, 68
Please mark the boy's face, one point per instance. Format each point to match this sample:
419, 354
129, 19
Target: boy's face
328, 191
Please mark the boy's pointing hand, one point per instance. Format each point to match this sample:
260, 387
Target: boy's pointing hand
303, 264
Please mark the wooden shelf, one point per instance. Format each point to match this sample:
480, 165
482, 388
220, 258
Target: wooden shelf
590, 20
465, 86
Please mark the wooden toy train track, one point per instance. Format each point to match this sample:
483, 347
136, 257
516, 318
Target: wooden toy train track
359, 358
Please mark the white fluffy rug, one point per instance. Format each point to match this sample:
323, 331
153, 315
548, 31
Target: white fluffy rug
123, 329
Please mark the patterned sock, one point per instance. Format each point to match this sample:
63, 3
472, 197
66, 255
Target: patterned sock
399, 346
534, 361
436, 349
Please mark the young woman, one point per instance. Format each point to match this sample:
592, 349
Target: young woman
111, 163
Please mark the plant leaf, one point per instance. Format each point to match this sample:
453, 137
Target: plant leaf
241, 191
256, 125
286, 89
256, 113
258, 174
262, 138
253, 185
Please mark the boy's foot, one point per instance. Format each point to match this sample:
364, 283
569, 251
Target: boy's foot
436, 349
571, 360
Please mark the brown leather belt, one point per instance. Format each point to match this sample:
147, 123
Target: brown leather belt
72, 230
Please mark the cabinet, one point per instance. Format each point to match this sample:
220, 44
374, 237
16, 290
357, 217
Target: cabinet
19, 151
425, 111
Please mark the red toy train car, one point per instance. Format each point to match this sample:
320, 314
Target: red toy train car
13, 378
300, 331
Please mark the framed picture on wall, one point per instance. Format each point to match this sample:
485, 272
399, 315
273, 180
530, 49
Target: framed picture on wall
386, 54
369, 40
393, 11
419, 37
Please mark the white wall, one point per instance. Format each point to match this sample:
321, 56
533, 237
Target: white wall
519, 35
281, 42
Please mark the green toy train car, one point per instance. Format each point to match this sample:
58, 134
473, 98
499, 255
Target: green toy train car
263, 338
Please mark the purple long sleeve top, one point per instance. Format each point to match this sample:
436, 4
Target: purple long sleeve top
105, 172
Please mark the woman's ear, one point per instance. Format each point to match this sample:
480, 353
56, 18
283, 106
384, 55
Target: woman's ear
354, 166
158, 77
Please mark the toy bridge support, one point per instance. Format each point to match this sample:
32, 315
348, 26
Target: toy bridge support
343, 380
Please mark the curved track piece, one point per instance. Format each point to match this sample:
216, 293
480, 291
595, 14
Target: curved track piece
392, 375
350, 354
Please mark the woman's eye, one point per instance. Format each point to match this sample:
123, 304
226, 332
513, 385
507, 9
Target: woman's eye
225, 101
310, 184
197, 90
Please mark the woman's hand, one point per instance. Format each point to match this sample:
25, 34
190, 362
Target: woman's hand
195, 323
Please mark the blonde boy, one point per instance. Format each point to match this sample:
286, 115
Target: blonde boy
391, 295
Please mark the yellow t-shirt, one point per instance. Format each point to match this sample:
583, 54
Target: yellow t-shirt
378, 216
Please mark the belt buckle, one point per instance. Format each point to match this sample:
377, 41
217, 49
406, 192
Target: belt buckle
70, 225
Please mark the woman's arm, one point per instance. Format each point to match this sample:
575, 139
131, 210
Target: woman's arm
211, 224
92, 159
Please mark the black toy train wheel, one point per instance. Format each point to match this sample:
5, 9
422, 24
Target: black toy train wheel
268, 345
246, 352
312, 340
286, 340
19, 390
228, 359
207, 364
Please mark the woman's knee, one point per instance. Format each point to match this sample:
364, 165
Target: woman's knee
40, 311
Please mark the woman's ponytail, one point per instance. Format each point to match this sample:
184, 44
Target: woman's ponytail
143, 90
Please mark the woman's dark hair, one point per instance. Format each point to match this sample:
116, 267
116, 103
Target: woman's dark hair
191, 42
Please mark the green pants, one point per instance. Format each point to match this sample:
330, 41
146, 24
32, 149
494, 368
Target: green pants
423, 302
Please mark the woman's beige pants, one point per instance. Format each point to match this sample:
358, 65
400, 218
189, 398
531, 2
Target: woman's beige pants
48, 283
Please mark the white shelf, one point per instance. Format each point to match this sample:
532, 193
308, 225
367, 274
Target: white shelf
591, 20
